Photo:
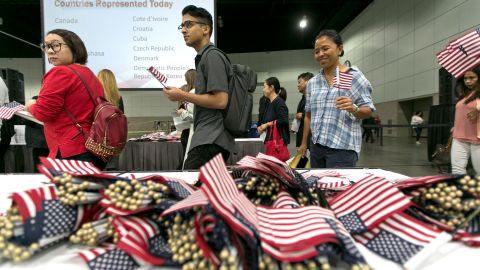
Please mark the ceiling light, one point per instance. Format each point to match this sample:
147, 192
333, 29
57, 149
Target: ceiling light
303, 22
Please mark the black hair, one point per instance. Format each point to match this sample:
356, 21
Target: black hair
306, 76
333, 35
75, 43
419, 113
463, 91
201, 14
283, 93
273, 81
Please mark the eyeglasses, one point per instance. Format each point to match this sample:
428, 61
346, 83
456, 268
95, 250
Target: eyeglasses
189, 24
55, 46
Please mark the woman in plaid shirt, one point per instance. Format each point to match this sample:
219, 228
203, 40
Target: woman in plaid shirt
337, 100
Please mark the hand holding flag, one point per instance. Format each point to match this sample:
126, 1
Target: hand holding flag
160, 77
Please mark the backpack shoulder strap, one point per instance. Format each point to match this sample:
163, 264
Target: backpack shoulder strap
77, 125
84, 84
212, 48
222, 52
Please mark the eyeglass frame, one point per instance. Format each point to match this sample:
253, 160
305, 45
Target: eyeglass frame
187, 23
45, 47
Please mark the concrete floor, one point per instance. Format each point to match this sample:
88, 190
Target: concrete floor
400, 155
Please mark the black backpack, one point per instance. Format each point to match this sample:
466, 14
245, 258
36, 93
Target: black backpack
241, 83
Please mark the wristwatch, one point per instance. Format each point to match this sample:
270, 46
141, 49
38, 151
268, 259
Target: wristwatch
357, 109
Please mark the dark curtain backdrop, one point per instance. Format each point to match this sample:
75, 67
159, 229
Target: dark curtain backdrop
439, 114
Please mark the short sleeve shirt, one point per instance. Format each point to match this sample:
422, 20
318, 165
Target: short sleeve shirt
213, 72
331, 127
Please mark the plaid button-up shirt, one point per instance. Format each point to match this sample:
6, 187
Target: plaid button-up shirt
330, 126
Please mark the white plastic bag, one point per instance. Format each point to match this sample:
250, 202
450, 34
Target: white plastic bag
295, 125
180, 124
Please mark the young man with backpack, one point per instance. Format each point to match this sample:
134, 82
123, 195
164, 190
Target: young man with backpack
211, 91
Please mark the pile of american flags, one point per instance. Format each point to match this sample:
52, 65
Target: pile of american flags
268, 216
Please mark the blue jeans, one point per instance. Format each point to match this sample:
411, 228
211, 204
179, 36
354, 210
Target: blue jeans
418, 132
326, 157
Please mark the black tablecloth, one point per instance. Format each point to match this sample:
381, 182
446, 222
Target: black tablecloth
18, 159
150, 156
439, 114
162, 156
137, 156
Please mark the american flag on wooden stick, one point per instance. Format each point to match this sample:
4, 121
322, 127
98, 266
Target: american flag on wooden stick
142, 240
285, 200
343, 81
398, 238
108, 258
367, 203
8, 110
197, 198
158, 75
75, 167
419, 181
461, 54
45, 220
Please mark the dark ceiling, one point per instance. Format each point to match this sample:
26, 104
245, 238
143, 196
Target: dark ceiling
243, 25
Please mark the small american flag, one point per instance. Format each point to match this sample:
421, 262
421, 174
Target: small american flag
45, 219
285, 200
141, 240
398, 238
225, 198
8, 110
197, 198
419, 181
178, 187
367, 203
108, 258
158, 75
29, 202
71, 166
343, 81
461, 54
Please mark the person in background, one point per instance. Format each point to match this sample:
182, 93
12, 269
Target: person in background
62, 90
185, 109
276, 111
35, 139
416, 123
4, 136
332, 113
466, 129
367, 129
211, 91
302, 81
378, 122
110, 88
112, 95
